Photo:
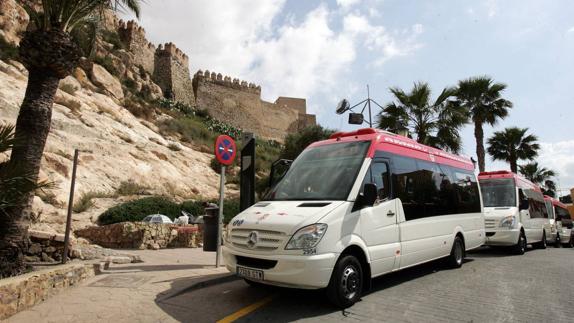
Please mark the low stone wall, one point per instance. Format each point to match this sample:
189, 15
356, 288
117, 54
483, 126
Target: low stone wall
24, 291
140, 235
45, 247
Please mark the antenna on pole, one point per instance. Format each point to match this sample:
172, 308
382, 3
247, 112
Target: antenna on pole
358, 117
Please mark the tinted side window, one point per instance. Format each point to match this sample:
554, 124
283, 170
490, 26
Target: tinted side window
536, 208
562, 214
378, 174
405, 177
467, 197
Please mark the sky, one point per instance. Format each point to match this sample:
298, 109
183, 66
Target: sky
328, 50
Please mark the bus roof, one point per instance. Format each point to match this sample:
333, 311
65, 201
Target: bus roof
555, 202
519, 180
400, 145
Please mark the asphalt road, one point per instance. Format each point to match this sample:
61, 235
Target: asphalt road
491, 286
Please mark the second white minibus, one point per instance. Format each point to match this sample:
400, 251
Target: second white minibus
357, 206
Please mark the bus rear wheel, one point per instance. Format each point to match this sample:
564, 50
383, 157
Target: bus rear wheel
557, 242
346, 282
456, 254
542, 243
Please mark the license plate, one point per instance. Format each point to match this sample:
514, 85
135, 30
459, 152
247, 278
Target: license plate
249, 273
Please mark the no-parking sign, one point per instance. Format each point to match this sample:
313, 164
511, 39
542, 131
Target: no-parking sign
225, 149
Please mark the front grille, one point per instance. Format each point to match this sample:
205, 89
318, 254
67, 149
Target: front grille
489, 224
255, 262
490, 234
267, 240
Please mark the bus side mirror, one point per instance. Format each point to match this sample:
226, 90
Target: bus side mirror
523, 204
368, 197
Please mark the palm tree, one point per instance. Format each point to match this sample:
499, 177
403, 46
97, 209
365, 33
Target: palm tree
482, 97
550, 188
512, 144
49, 53
15, 182
535, 173
434, 123
539, 175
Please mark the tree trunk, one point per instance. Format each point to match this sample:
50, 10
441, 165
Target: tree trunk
514, 165
32, 128
479, 136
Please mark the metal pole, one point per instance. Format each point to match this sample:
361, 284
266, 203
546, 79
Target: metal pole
70, 206
220, 216
369, 102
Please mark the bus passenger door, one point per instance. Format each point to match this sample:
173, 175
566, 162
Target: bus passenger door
379, 223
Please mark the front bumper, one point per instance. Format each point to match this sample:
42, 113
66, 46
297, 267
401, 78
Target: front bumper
565, 235
307, 272
502, 237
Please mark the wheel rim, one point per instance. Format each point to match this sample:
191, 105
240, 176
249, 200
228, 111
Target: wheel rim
458, 253
350, 282
544, 239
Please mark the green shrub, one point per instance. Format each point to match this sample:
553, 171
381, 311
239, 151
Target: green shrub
68, 88
112, 38
137, 210
190, 129
127, 188
85, 201
295, 143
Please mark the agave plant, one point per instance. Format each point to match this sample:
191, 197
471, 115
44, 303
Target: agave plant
50, 52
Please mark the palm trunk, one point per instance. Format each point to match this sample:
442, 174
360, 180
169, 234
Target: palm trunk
32, 128
514, 165
479, 136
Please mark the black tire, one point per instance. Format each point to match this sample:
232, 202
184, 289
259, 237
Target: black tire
346, 284
557, 242
456, 257
520, 247
569, 244
542, 243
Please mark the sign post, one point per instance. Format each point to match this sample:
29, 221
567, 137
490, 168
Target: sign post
70, 207
225, 152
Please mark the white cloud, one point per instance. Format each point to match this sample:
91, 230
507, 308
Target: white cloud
347, 4
492, 8
559, 156
287, 55
570, 30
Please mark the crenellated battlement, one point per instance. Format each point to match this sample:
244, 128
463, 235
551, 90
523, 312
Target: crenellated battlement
130, 33
169, 49
228, 81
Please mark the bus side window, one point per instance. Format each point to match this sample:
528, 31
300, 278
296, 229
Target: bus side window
378, 174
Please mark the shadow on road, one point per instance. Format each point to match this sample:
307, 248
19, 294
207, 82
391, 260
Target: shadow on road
158, 267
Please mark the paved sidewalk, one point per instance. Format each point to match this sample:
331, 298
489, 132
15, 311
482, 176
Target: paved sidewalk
131, 292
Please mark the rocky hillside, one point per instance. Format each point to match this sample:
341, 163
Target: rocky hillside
119, 149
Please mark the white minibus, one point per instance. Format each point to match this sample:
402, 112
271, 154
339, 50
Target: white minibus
561, 222
357, 206
515, 214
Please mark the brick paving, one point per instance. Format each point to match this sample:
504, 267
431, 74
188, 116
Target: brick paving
491, 287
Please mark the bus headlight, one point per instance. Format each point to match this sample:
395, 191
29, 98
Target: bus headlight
508, 222
307, 237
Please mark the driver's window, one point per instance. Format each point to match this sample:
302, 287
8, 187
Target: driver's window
378, 174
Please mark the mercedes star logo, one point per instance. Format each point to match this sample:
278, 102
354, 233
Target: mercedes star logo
252, 239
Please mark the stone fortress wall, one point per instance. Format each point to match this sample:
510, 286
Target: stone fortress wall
133, 37
227, 99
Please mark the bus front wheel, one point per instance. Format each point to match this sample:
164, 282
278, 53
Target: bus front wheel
520, 247
346, 282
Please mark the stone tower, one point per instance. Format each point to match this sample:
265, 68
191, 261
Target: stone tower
171, 73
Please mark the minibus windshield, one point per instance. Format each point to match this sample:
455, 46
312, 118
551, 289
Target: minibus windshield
498, 192
322, 173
